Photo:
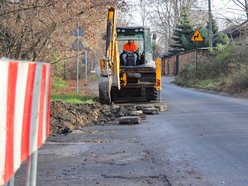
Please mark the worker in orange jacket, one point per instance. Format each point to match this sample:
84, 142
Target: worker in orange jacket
130, 46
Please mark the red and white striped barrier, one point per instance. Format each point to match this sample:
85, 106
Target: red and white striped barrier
24, 112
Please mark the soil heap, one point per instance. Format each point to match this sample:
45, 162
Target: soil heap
66, 117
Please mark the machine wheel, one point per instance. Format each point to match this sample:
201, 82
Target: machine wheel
152, 94
114, 94
105, 84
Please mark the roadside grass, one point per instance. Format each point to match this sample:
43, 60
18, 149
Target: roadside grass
58, 85
73, 98
59, 93
238, 79
93, 77
207, 84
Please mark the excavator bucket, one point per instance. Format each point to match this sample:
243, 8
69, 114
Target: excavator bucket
105, 84
107, 65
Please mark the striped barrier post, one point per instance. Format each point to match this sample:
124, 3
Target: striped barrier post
24, 116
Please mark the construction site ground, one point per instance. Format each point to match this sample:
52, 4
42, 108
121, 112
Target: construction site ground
67, 117
200, 140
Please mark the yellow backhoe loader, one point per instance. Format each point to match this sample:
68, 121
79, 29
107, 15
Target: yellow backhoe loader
128, 75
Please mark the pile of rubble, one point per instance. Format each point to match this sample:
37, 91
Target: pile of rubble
66, 117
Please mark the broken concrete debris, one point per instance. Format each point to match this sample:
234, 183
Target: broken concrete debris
130, 120
162, 108
151, 111
66, 117
141, 107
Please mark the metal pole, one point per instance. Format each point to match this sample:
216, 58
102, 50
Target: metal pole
32, 169
77, 72
86, 64
77, 55
210, 24
64, 72
246, 9
11, 182
142, 6
196, 59
177, 64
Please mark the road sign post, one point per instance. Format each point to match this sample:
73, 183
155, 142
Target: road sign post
196, 59
86, 64
197, 37
77, 46
78, 42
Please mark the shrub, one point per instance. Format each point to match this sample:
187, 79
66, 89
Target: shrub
229, 68
58, 85
239, 78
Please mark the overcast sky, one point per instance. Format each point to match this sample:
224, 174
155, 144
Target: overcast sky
222, 10
227, 9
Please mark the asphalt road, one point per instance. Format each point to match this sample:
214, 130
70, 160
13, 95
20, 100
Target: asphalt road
209, 132
201, 140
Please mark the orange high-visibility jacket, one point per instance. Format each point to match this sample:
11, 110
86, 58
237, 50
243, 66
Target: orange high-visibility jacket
130, 47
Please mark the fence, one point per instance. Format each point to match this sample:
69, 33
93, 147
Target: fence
67, 69
175, 64
24, 116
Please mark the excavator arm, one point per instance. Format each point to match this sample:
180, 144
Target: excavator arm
110, 65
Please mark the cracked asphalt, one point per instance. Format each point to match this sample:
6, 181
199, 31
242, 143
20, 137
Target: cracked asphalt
100, 155
201, 140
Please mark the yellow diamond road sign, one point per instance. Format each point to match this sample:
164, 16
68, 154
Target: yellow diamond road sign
197, 37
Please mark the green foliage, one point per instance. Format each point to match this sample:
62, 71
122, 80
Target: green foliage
93, 77
228, 69
185, 29
183, 32
188, 45
58, 84
204, 33
73, 98
220, 38
215, 27
59, 93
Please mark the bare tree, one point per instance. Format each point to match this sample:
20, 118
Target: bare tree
243, 4
164, 16
41, 29
143, 10
138, 11
163, 19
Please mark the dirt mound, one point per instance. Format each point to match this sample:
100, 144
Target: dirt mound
66, 117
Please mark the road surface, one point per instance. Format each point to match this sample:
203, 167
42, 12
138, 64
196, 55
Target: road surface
201, 140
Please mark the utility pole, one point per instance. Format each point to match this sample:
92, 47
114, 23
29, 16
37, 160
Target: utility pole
210, 32
142, 12
246, 9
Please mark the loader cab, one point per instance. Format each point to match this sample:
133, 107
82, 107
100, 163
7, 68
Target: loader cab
141, 36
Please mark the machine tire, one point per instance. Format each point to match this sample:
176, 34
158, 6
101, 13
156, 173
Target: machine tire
114, 94
152, 94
